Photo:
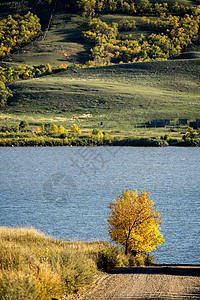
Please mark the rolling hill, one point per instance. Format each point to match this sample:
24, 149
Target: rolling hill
119, 96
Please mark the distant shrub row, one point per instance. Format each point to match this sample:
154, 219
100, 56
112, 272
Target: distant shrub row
25, 72
91, 140
16, 30
50, 134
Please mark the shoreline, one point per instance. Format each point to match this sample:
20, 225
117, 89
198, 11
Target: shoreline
82, 142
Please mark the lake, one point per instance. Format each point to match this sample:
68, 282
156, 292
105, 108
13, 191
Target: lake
65, 192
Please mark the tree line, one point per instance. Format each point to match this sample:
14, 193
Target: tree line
172, 35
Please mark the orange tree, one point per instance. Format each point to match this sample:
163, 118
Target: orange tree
134, 223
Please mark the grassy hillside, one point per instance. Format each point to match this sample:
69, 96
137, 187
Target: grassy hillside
63, 43
120, 96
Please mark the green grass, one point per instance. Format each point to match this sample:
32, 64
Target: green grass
120, 96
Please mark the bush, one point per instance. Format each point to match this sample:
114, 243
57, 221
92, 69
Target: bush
97, 132
5, 93
80, 273
109, 259
141, 260
148, 260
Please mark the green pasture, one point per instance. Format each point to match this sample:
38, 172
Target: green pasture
121, 97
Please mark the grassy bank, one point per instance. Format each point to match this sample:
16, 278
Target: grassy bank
35, 266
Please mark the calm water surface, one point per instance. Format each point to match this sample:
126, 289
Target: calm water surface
65, 192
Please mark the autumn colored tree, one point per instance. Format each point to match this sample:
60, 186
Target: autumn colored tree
16, 30
75, 129
37, 129
134, 223
53, 128
61, 129
97, 132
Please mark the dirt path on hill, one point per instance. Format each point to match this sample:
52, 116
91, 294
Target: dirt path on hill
158, 282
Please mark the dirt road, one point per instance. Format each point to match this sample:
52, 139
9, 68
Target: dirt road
158, 282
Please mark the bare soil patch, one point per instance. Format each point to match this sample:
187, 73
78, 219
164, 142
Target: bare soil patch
157, 282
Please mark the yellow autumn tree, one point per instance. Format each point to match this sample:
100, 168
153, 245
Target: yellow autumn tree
53, 128
37, 129
75, 129
134, 223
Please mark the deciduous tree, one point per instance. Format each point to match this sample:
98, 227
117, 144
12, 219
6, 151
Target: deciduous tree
134, 223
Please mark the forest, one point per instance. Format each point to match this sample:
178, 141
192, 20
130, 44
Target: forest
172, 28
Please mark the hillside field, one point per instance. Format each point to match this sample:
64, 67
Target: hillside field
118, 98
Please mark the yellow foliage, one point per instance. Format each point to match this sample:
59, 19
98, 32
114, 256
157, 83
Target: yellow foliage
97, 132
134, 223
61, 129
75, 129
66, 141
37, 129
53, 128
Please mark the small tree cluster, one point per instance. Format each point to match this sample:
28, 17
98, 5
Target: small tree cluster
25, 72
16, 30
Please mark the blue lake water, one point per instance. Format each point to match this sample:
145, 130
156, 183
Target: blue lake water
65, 192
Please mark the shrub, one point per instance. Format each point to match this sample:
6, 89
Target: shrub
148, 260
97, 132
5, 93
109, 259
63, 135
75, 129
80, 273
23, 124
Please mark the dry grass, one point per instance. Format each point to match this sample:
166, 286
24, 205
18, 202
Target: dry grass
36, 266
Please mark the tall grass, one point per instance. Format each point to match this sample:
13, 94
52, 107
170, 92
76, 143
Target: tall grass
36, 266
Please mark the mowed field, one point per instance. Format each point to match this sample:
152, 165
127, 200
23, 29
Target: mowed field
120, 97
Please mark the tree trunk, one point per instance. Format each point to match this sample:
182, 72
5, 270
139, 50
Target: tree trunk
126, 247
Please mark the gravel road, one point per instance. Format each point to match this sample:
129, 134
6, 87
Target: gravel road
157, 282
